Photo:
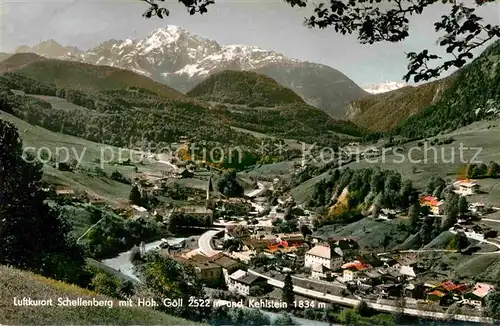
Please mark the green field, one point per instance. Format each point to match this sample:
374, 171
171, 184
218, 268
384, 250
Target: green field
87, 153
369, 233
16, 283
57, 102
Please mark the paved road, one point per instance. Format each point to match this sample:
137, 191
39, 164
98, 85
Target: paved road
490, 220
122, 261
380, 307
204, 242
256, 192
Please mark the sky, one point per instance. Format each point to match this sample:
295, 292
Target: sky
270, 24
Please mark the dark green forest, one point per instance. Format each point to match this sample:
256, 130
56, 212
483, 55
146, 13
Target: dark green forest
473, 96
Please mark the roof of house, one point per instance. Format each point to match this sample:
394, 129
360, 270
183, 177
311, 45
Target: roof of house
195, 209
323, 252
205, 265
356, 265
408, 271
466, 183
64, 191
238, 274
436, 293
430, 200
225, 262
249, 279
372, 274
482, 289
139, 208
450, 286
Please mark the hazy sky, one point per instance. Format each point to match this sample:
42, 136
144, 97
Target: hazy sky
270, 24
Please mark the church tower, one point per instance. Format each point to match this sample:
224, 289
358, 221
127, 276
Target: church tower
210, 189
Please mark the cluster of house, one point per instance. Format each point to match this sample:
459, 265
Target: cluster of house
388, 277
476, 231
449, 292
213, 271
327, 257
219, 270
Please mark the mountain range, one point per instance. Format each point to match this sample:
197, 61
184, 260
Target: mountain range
180, 59
384, 87
120, 107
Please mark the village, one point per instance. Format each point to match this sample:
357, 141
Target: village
250, 242
246, 256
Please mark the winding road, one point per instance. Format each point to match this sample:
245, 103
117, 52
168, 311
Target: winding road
205, 243
380, 307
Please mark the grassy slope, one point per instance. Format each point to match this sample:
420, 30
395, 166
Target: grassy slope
105, 188
15, 283
243, 87
82, 76
369, 233
382, 112
483, 135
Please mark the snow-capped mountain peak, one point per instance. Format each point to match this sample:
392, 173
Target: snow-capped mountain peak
384, 87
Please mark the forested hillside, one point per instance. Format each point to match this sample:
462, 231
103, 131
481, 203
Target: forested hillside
383, 111
132, 117
116, 117
243, 87
122, 108
77, 75
473, 96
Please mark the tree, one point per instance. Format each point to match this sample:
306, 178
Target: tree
229, 186
363, 309
135, 196
461, 241
167, 278
250, 317
32, 235
471, 171
386, 241
464, 31
425, 230
433, 184
451, 211
492, 301
463, 206
288, 296
414, 216
285, 320
349, 317
106, 284
135, 255
407, 194
481, 170
493, 169
305, 230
